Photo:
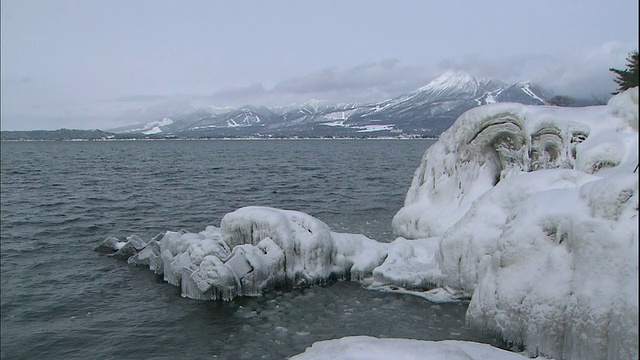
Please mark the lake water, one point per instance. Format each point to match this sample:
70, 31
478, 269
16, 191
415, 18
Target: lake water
62, 300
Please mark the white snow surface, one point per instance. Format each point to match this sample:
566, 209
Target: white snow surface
154, 127
531, 211
152, 131
371, 348
374, 128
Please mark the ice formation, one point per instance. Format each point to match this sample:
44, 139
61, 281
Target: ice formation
531, 211
370, 348
536, 209
255, 249
490, 143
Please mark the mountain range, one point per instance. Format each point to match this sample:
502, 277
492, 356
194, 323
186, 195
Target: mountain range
425, 112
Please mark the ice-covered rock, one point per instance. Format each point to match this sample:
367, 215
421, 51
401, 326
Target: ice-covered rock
491, 143
357, 254
564, 280
133, 244
122, 249
254, 250
109, 245
468, 246
410, 264
306, 241
537, 209
147, 256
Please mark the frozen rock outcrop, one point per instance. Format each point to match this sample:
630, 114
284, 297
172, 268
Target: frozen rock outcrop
537, 213
491, 143
564, 278
254, 249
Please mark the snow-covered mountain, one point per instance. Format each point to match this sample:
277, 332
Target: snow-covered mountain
428, 110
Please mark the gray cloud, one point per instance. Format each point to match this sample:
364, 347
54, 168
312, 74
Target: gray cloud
238, 95
506, 69
138, 98
375, 77
18, 80
583, 73
586, 72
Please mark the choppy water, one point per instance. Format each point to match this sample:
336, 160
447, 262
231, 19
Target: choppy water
61, 300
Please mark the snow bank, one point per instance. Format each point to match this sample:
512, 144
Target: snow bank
370, 348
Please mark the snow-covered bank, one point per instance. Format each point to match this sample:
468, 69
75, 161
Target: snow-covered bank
370, 348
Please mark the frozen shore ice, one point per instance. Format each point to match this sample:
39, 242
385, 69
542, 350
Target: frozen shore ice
370, 348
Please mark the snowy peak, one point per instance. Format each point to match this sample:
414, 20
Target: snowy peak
316, 104
450, 80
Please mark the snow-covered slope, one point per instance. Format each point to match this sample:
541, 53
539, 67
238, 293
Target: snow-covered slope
152, 127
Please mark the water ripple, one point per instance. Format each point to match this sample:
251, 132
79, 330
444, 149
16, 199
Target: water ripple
61, 300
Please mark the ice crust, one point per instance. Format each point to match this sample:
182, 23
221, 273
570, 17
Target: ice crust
370, 348
529, 211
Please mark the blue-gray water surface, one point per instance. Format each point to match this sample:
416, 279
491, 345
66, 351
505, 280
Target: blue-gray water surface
62, 300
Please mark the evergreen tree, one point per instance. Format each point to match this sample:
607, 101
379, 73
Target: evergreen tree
627, 78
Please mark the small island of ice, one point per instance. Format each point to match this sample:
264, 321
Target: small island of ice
531, 211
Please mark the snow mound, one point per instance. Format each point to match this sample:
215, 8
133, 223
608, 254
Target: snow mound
370, 348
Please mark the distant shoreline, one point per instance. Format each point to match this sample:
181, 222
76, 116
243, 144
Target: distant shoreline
223, 139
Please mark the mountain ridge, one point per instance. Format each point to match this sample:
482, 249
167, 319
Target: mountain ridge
428, 111
425, 112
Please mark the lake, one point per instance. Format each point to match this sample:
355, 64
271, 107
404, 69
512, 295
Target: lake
62, 300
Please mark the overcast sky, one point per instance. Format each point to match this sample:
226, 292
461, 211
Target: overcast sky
106, 63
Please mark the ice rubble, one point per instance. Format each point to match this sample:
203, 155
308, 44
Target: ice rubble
531, 210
